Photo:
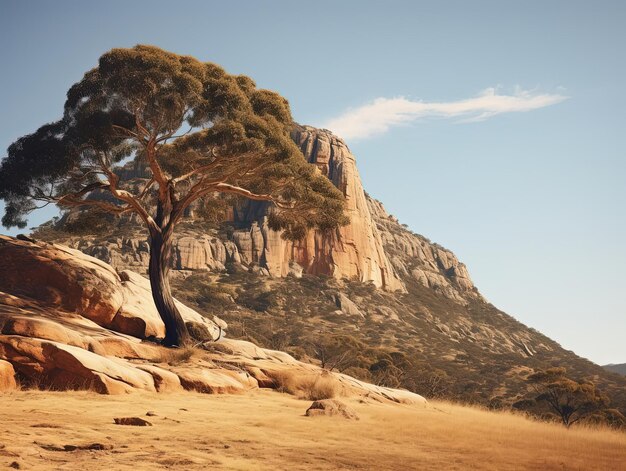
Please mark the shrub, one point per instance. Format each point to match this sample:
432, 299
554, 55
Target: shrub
309, 386
176, 356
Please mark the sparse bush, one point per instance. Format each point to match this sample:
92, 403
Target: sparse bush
309, 386
259, 301
177, 356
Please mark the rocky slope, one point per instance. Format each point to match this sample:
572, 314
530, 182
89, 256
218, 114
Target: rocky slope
69, 321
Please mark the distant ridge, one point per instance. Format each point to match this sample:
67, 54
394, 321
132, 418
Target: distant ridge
616, 368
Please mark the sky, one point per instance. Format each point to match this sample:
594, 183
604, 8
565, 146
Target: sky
495, 128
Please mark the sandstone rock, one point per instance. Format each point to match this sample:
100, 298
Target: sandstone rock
129, 348
70, 280
61, 345
347, 306
139, 317
295, 270
164, 381
354, 251
428, 264
136, 421
191, 253
331, 407
7, 376
214, 380
60, 276
27, 326
67, 367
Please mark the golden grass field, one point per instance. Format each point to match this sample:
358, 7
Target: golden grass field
267, 430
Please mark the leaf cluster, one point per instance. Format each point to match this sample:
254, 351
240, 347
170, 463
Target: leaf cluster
199, 132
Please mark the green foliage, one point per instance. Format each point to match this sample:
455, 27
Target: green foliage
199, 132
137, 104
212, 297
570, 400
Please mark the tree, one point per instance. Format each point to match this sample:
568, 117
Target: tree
337, 352
570, 400
202, 135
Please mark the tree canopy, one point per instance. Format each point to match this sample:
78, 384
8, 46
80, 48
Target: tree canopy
570, 400
198, 130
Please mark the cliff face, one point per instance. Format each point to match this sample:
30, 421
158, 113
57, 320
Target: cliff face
414, 257
354, 251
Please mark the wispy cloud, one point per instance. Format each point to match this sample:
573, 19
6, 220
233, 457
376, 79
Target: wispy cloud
378, 116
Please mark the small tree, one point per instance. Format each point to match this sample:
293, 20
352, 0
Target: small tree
337, 352
570, 400
200, 132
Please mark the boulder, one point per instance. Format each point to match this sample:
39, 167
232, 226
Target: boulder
7, 376
214, 380
347, 306
61, 367
164, 380
136, 421
61, 277
139, 317
331, 407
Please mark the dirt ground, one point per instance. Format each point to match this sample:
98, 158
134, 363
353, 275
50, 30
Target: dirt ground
268, 430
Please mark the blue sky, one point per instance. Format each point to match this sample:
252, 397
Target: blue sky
529, 192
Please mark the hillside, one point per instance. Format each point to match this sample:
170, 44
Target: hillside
372, 299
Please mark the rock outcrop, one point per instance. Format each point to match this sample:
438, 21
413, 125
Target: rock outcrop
7, 376
329, 408
373, 247
68, 279
354, 251
70, 321
416, 259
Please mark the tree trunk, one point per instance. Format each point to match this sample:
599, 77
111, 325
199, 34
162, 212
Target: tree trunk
176, 333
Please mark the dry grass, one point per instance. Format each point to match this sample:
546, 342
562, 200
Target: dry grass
267, 431
177, 356
311, 387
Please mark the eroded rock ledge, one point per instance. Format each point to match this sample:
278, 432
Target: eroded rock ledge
70, 321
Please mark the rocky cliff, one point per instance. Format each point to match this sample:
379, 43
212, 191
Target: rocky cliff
373, 247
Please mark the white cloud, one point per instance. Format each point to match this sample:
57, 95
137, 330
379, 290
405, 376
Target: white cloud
378, 116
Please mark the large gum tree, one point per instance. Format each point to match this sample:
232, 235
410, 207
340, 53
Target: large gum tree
200, 133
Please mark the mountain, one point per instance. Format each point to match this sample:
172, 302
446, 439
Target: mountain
616, 368
372, 299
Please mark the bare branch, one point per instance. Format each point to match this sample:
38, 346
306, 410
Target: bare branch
127, 197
